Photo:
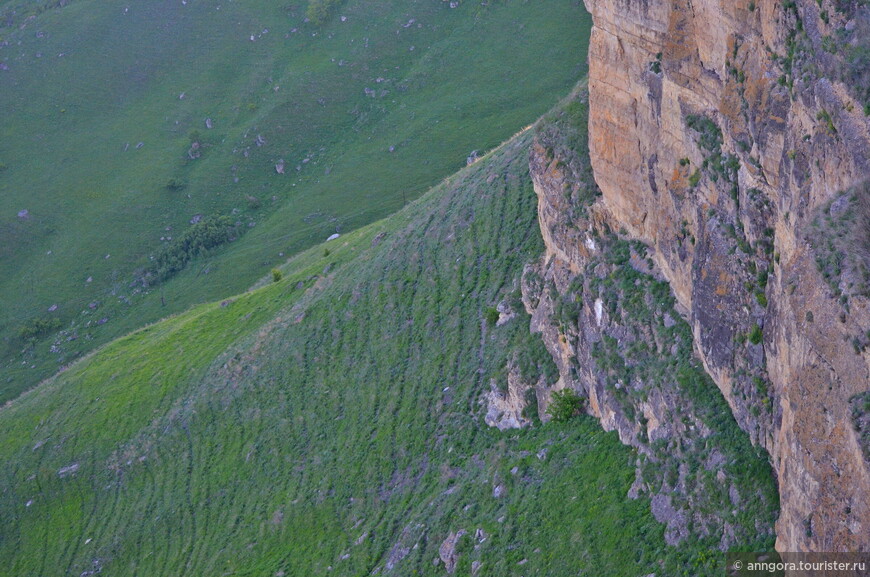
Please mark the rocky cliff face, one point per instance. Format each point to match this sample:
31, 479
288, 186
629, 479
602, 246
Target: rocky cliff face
608, 318
718, 140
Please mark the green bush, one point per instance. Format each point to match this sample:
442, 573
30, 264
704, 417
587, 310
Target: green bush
755, 335
277, 275
36, 328
565, 405
175, 184
208, 233
319, 11
491, 315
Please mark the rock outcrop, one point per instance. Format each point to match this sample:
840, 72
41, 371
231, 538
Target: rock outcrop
608, 318
718, 133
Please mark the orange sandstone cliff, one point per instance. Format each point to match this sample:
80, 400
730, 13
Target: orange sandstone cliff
730, 138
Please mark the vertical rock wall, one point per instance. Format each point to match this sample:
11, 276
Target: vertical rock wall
716, 136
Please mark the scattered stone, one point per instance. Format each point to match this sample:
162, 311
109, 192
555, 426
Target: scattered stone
208, 123
196, 218
52, 308
24, 214
194, 151
840, 206
378, 238
279, 166
664, 512
637, 486
140, 145
333, 237
590, 244
68, 470
505, 313
472, 157
475, 567
447, 551
498, 491
734, 496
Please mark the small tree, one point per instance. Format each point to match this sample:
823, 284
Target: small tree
277, 275
319, 11
565, 405
491, 315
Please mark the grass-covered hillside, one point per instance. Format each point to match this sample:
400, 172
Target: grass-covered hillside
330, 423
126, 123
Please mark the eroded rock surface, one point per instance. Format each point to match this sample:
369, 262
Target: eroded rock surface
716, 134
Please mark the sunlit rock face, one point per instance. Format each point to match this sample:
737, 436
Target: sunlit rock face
718, 135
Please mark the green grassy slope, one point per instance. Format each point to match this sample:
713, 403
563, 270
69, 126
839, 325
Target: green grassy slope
375, 107
330, 420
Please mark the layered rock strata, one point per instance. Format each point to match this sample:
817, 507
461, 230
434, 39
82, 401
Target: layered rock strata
717, 138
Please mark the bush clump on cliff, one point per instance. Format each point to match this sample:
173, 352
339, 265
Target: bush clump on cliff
841, 243
565, 405
856, 58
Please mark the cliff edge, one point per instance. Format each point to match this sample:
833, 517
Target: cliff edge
732, 139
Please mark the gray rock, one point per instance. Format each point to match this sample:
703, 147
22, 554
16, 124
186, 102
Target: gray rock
68, 470
447, 551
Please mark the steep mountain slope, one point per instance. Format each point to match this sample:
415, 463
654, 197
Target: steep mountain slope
731, 141
332, 422
125, 123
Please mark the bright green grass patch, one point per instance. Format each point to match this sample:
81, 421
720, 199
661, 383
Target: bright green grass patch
363, 114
